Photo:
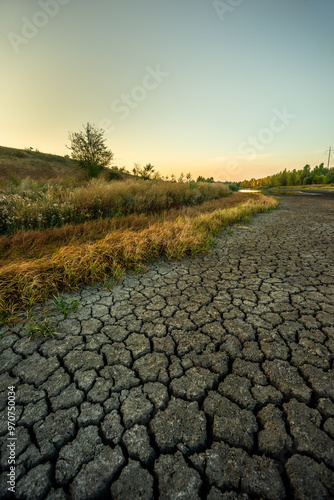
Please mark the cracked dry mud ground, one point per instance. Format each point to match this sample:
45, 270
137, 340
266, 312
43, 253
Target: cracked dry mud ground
208, 378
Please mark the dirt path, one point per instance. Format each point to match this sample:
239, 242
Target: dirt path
209, 378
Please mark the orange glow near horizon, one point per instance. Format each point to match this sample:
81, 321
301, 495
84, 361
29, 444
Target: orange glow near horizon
182, 88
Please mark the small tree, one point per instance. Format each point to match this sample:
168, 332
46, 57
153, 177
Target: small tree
136, 169
89, 149
146, 172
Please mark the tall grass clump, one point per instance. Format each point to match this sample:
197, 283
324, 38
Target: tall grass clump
54, 206
28, 280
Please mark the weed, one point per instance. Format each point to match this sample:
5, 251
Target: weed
112, 278
65, 307
38, 327
139, 269
7, 312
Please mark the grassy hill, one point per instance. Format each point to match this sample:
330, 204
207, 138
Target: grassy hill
18, 164
22, 163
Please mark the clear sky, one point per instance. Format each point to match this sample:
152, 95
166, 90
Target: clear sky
227, 88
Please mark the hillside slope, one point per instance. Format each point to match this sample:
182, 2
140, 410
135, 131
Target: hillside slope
22, 163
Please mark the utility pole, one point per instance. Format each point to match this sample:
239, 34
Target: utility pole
329, 155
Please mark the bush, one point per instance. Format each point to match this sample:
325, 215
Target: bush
233, 187
14, 180
92, 170
319, 179
114, 175
20, 154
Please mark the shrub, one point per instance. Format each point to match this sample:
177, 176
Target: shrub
114, 175
92, 170
14, 180
20, 154
319, 179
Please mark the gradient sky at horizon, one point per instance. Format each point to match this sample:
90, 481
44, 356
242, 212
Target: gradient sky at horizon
232, 89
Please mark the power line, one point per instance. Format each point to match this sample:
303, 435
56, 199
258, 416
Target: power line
329, 155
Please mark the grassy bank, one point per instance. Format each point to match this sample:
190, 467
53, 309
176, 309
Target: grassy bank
283, 189
38, 264
50, 205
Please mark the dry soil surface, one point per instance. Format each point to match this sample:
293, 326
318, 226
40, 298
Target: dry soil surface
209, 378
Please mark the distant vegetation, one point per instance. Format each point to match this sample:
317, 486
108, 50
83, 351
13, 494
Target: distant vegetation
305, 176
200, 178
232, 186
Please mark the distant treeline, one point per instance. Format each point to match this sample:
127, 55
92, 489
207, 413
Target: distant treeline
304, 176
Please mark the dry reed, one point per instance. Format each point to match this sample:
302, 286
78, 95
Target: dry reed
27, 281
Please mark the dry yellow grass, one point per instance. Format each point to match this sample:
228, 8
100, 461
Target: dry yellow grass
36, 243
77, 259
52, 205
40, 167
